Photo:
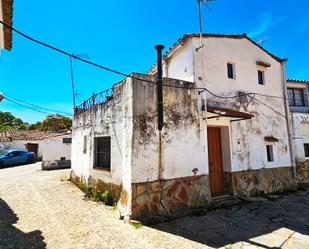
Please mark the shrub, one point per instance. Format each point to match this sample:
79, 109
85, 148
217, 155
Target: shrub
106, 197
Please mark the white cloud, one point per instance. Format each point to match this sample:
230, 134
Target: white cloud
267, 22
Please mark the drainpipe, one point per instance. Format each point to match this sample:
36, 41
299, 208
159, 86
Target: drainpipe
159, 49
288, 120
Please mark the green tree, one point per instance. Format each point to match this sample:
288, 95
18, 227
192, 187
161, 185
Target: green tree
56, 123
36, 126
9, 121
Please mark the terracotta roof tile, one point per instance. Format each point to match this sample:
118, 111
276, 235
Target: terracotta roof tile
11, 135
297, 81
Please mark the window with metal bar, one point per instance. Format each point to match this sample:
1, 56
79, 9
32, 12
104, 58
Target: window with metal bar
102, 150
296, 97
67, 140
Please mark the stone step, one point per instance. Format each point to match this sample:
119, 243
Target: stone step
224, 201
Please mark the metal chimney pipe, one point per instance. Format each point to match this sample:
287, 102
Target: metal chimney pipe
159, 49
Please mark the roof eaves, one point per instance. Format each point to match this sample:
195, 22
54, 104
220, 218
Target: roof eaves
182, 41
298, 81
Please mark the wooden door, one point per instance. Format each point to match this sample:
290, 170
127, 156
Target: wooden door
32, 148
216, 174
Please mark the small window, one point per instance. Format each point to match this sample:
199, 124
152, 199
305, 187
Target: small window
85, 145
102, 157
306, 147
67, 140
270, 152
261, 77
296, 97
231, 71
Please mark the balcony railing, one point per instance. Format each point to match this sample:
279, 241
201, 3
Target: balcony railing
96, 99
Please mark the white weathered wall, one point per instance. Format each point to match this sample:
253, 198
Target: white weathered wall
300, 124
181, 64
108, 119
210, 70
53, 148
183, 136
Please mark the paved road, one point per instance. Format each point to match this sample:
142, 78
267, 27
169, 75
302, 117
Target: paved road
38, 210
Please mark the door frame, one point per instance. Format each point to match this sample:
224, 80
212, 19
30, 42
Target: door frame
219, 128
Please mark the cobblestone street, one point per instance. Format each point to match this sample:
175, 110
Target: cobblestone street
38, 210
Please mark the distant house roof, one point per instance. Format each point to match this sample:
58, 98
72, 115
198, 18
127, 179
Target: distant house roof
14, 135
7, 14
182, 41
297, 81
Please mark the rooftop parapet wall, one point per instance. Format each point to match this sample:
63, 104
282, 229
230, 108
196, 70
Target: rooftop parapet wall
183, 132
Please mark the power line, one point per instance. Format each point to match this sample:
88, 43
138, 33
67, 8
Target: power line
124, 74
28, 107
36, 106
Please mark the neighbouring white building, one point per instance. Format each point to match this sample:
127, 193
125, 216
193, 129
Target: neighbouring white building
298, 95
57, 151
209, 145
53, 148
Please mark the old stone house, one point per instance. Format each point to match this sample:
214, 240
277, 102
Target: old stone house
299, 109
210, 145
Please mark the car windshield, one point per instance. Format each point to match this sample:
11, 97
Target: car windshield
4, 152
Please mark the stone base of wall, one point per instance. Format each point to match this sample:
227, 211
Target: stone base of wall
56, 164
262, 181
302, 169
114, 189
154, 201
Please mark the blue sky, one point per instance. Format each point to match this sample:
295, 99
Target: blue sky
121, 35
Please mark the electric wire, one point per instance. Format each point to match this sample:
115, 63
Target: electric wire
28, 107
36, 106
128, 75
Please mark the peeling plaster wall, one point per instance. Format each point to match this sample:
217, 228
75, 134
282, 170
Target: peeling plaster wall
113, 119
210, 70
269, 115
184, 141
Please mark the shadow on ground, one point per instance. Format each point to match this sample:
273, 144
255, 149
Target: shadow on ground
289, 215
11, 237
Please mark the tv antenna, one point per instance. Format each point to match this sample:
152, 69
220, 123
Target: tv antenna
263, 40
74, 94
200, 3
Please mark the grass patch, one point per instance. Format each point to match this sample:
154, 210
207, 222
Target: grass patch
137, 225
